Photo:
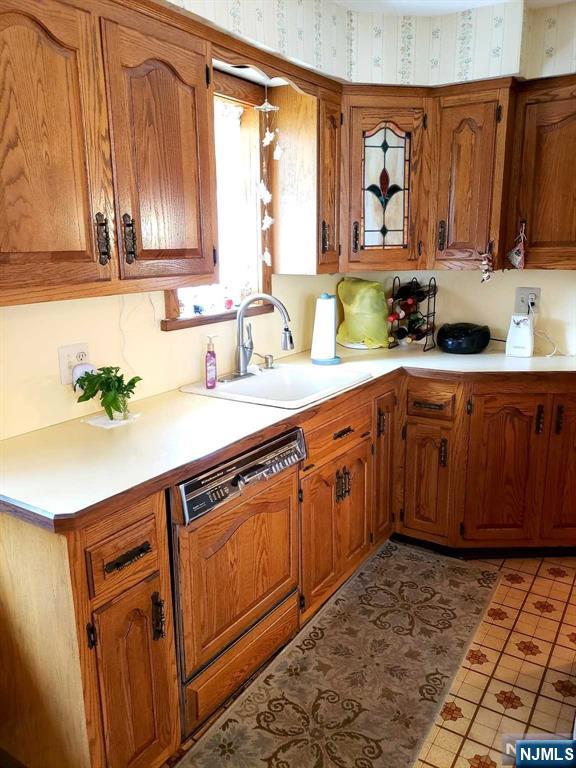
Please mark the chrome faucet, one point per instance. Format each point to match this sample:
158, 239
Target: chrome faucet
245, 344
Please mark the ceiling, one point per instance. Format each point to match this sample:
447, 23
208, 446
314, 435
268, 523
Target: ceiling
430, 7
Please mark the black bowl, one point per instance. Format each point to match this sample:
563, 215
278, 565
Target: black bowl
463, 338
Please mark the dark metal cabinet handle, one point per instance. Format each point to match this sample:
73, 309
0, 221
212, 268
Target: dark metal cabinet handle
559, 419
325, 239
102, 239
441, 235
127, 558
444, 452
539, 420
355, 237
347, 481
158, 617
381, 423
129, 238
428, 405
339, 488
342, 433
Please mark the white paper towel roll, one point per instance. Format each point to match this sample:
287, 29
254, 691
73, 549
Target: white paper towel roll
323, 350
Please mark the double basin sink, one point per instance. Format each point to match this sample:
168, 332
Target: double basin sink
285, 386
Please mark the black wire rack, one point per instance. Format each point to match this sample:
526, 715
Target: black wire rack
415, 324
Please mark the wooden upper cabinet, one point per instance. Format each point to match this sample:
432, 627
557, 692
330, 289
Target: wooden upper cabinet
137, 674
161, 114
544, 174
388, 153
54, 150
427, 479
468, 129
507, 451
558, 520
329, 184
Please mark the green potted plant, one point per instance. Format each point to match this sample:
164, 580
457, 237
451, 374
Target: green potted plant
114, 392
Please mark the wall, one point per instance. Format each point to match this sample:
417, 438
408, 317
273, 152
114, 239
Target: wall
502, 39
124, 331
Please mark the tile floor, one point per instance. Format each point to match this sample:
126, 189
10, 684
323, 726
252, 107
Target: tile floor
519, 676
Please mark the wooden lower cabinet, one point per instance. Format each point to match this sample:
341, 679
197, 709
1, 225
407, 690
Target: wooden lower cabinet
558, 520
507, 449
383, 466
136, 665
427, 480
336, 514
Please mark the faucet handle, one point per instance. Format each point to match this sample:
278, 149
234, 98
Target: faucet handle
249, 343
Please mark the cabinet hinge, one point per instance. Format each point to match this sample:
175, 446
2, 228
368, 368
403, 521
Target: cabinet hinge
339, 249
469, 407
302, 602
341, 118
461, 529
300, 495
372, 449
420, 247
215, 256
425, 121
404, 432
498, 113
208, 75
371, 538
401, 514
91, 634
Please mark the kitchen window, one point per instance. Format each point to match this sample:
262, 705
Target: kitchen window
238, 171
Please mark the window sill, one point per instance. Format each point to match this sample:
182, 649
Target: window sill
192, 322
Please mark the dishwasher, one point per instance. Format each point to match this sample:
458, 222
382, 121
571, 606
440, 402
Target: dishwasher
235, 546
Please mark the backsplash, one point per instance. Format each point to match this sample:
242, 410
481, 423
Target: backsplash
124, 331
503, 39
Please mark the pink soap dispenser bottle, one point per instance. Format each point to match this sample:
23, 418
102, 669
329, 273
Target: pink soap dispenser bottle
211, 373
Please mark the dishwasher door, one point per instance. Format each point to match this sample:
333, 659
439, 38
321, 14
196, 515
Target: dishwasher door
233, 565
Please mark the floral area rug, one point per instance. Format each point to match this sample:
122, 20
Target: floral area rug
362, 683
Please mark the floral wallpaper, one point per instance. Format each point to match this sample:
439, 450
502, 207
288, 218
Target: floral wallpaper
495, 40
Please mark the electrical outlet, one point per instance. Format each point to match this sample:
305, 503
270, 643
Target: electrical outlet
69, 356
527, 298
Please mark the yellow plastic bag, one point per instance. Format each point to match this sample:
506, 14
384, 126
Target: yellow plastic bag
365, 313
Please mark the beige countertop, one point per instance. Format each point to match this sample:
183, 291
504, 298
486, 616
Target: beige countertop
61, 470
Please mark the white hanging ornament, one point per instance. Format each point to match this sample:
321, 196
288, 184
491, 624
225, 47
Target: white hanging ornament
263, 192
267, 222
267, 257
268, 138
278, 151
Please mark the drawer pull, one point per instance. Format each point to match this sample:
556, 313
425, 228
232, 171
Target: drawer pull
427, 405
539, 428
128, 558
343, 432
158, 617
443, 452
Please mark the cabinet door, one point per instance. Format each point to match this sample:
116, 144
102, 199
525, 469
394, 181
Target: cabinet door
383, 472
137, 675
320, 567
54, 152
236, 564
558, 520
545, 177
389, 176
465, 176
427, 479
162, 120
329, 184
354, 512
506, 465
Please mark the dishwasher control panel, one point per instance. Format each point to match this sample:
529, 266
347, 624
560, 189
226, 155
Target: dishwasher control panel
216, 486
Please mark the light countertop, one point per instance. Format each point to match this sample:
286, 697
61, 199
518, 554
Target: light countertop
61, 470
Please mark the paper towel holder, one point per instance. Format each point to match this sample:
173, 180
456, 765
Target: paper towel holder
323, 350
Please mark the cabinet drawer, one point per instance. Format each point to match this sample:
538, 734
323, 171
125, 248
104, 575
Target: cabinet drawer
338, 434
123, 558
432, 400
218, 682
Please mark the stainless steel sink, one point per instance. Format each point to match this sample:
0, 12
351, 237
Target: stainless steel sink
284, 386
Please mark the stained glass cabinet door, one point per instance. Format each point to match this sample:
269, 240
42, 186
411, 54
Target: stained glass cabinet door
388, 209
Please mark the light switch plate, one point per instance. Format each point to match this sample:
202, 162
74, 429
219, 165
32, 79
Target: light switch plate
523, 298
69, 356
